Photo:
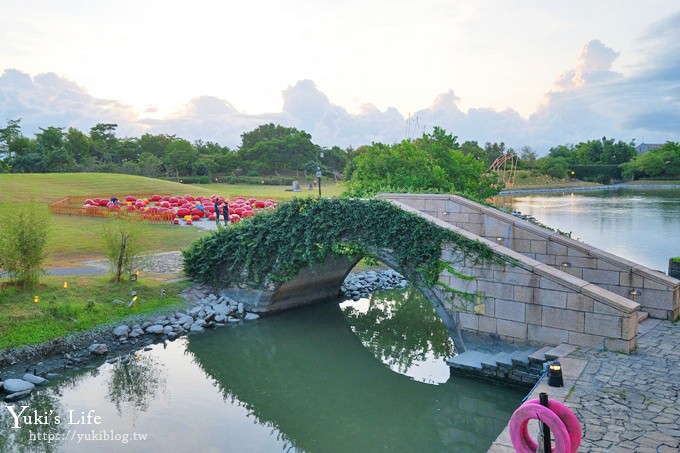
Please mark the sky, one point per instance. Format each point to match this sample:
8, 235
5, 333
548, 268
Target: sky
349, 72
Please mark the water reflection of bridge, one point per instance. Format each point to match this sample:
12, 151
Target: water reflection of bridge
307, 374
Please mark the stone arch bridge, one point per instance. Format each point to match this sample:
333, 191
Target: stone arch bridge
541, 288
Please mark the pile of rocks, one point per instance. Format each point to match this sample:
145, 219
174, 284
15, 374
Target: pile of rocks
17, 389
357, 286
210, 311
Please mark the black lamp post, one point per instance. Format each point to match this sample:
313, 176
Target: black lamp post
318, 171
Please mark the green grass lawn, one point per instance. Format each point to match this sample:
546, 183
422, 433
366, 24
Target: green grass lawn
75, 239
87, 302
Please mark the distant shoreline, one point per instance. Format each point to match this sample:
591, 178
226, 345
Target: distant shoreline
586, 188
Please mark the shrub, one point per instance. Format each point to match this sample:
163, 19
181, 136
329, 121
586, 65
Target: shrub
23, 240
122, 246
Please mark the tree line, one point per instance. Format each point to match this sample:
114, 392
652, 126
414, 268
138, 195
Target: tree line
428, 162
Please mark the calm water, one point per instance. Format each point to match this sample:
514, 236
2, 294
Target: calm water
641, 225
352, 377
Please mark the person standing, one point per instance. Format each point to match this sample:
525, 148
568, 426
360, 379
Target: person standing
225, 212
217, 210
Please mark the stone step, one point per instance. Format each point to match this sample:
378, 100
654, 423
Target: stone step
561, 350
490, 362
504, 359
469, 360
642, 315
521, 358
539, 356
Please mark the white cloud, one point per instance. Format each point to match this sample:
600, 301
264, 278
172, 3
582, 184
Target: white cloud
588, 101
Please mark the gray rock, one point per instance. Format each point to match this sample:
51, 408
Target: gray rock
251, 316
172, 335
167, 329
17, 395
232, 319
220, 309
51, 376
185, 319
16, 385
98, 348
155, 329
209, 316
196, 328
136, 332
240, 308
220, 318
33, 379
121, 331
146, 324
195, 311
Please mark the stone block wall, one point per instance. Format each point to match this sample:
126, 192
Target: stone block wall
657, 293
523, 300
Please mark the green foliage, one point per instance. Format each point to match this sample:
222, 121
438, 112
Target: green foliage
430, 164
553, 166
662, 161
276, 246
122, 246
23, 242
603, 174
270, 148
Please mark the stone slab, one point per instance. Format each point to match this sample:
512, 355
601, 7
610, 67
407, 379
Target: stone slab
560, 351
467, 360
539, 356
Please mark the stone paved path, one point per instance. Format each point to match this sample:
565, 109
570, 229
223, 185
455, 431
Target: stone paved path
631, 403
625, 402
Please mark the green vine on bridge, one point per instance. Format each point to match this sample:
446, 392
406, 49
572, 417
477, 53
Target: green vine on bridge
276, 246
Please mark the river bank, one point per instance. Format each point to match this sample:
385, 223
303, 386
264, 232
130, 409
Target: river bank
581, 188
118, 342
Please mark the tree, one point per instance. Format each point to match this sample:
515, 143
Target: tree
9, 134
553, 166
180, 157
50, 144
527, 157
79, 146
471, 147
23, 242
432, 163
493, 151
662, 161
104, 141
270, 148
122, 247
149, 165
155, 144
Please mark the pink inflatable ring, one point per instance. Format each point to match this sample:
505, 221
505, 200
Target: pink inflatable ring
519, 434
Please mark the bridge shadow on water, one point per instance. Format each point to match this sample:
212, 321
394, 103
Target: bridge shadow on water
305, 373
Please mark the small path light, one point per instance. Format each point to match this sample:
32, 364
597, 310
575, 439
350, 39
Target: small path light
636, 293
555, 375
36, 299
134, 298
65, 285
134, 277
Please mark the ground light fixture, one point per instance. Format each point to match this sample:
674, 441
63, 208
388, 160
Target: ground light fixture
65, 285
36, 299
555, 375
134, 298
